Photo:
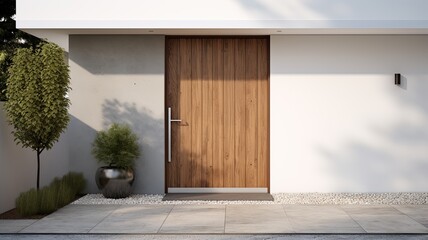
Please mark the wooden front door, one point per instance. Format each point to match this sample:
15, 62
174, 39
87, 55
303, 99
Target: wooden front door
218, 88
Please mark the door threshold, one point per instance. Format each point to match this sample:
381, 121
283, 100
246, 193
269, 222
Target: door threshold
217, 190
217, 197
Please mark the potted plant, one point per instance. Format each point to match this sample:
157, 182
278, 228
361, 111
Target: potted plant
118, 148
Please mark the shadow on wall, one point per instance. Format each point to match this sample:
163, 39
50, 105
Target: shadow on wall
150, 166
401, 161
261, 9
377, 55
336, 10
81, 136
284, 10
18, 165
377, 137
87, 51
365, 168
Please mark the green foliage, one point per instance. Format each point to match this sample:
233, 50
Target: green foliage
118, 146
37, 106
4, 64
27, 203
10, 40
65, 194
76, 181
67, 188
48, 199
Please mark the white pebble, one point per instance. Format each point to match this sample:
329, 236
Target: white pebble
279, 198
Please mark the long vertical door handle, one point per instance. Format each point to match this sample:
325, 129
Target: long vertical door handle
170, 120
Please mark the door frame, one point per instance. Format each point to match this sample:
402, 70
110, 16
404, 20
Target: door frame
166, 107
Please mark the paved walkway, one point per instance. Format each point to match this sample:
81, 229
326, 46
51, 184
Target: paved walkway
210, 237
225, 219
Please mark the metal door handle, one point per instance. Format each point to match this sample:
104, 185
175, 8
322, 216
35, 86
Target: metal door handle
170, 120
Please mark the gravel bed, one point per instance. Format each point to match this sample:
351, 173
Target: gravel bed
279, 198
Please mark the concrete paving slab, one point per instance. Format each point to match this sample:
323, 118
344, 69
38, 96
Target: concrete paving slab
71, 219
321, 219
389, 224
134, 219
195, 219
214, 219
383, 219
213, 237
418, 213
370, 210
14, 226
257, 219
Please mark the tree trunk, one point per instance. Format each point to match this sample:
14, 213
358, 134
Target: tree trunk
38, 169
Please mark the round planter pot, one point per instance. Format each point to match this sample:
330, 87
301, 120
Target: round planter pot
114, 182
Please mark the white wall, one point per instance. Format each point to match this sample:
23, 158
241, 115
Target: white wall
91, 14
114, 79
338, 122
56, 20
18, 166
118, 79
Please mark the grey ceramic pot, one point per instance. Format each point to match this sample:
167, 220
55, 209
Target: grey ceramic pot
114, 182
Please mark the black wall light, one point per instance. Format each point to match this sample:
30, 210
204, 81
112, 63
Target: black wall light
397, 79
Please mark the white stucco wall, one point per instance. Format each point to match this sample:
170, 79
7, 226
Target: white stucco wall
18, 166
118, 79
338, 122
219, 13
56, 20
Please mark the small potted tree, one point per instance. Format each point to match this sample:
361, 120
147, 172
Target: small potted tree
37, 106
118, 148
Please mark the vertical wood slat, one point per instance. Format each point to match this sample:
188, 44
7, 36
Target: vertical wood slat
196, 125
185, 150
232, 91
218, 116
251, 114
240, 128
207, 113
263, 113
229, 113
172, 93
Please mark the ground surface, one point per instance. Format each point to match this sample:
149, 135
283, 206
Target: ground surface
227, 219
214, 237
13, 214
279, 198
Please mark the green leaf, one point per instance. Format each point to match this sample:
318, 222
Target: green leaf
118, 146
38, 81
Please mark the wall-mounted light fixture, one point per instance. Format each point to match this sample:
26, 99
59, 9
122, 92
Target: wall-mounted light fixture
397, 79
